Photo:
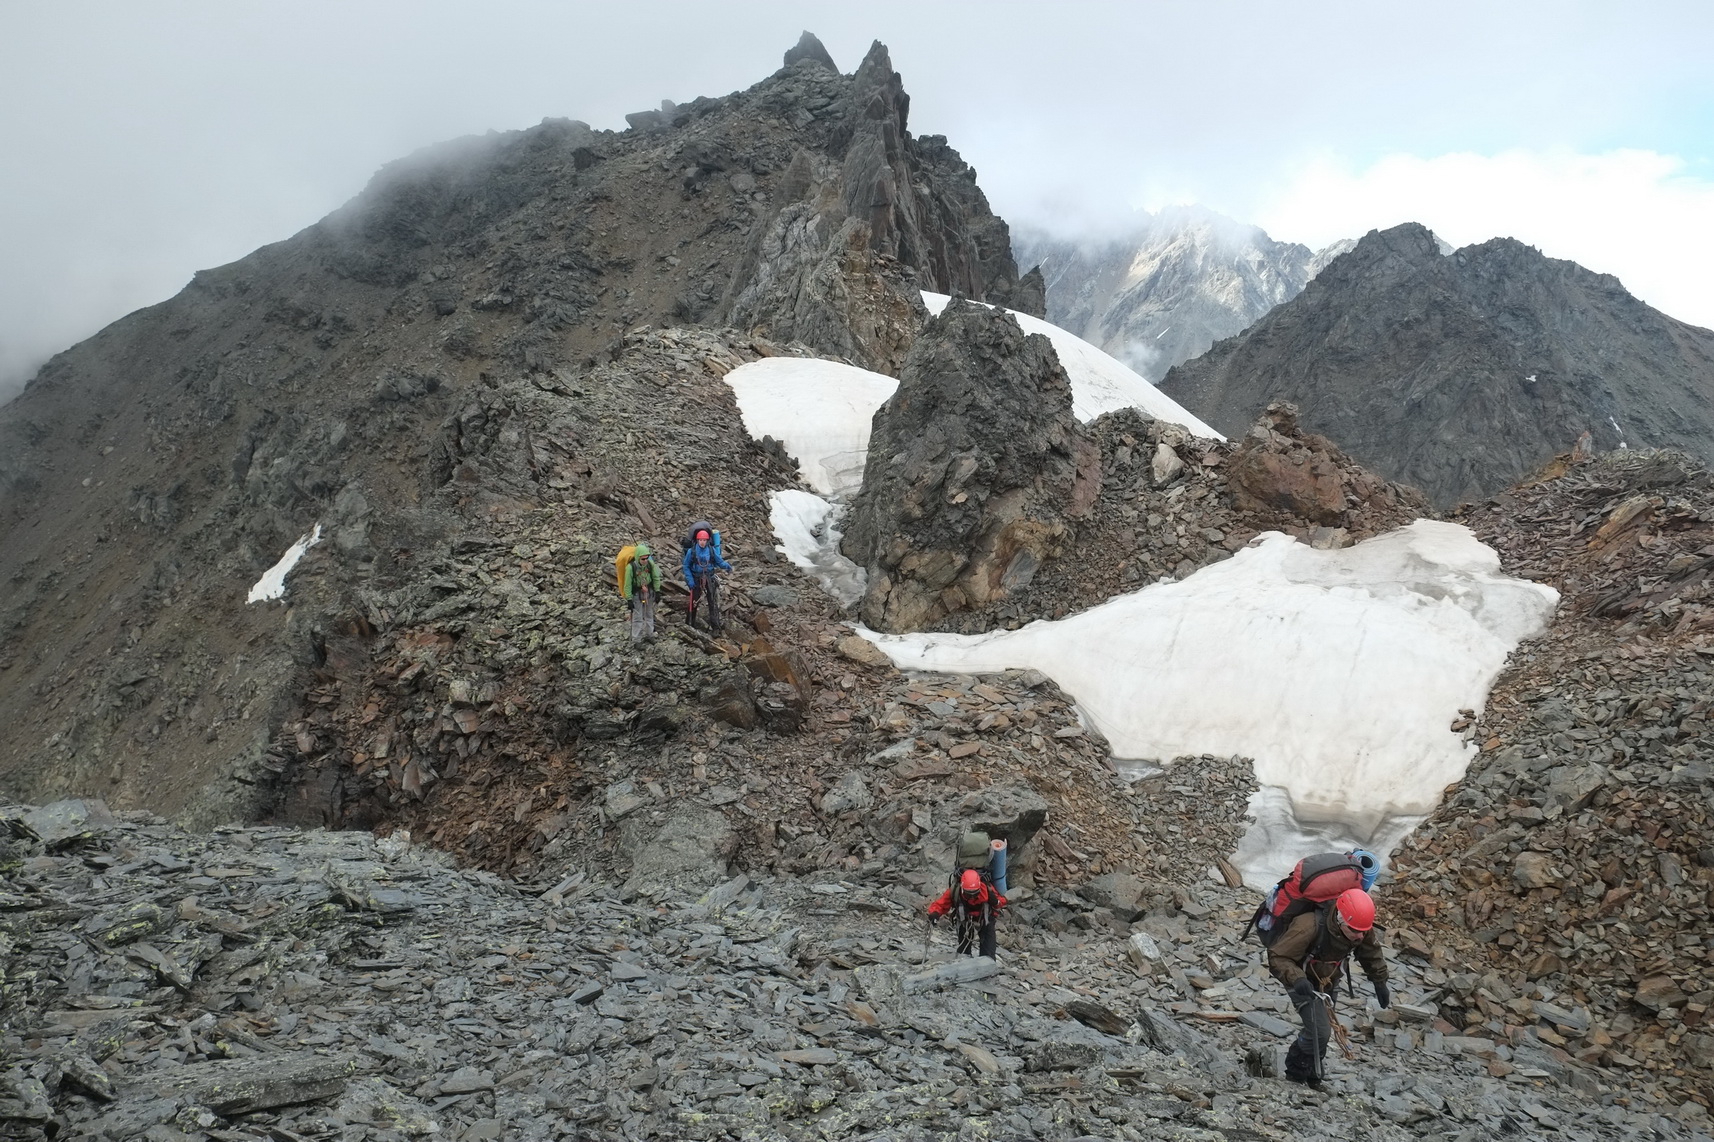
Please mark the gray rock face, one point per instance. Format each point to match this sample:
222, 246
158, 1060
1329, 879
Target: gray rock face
869, 219
1462, 373
1168, 286
680, 857
977, 472
1588, 804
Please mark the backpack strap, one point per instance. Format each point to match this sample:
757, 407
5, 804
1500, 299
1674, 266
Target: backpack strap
1322, 927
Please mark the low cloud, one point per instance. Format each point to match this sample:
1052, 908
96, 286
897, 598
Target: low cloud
1145, 360
1639, 215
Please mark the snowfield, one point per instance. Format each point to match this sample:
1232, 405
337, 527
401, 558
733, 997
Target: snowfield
807, 527
820, 410
1339, 672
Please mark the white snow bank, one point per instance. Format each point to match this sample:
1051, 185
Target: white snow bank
820, 410
1099, 384
807, 528
1337, 671
272, 584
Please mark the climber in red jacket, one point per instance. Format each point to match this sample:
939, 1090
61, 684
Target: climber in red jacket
977, 904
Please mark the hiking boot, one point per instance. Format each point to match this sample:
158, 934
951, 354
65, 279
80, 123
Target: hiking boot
1309, 1081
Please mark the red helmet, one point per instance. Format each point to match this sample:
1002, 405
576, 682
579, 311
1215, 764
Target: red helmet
702, 534
1356, 909
971, 881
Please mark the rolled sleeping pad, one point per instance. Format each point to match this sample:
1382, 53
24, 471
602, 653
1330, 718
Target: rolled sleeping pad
997, 863
1371, 867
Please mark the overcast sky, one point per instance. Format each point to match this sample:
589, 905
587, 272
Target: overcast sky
142, 142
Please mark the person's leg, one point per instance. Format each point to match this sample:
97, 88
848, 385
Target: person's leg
990, 940
648, 609
1303, 1062
714, 620
966, 935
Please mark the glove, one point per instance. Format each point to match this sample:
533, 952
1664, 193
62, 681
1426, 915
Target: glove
630, 604
1303, 990
1383, 994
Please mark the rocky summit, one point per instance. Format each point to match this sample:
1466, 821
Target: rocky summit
432, 846
1462, 372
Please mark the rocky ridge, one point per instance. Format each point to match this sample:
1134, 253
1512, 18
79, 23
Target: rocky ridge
1463, 372
349, 374
285, 984
497, 706
1171, 503
1578, 852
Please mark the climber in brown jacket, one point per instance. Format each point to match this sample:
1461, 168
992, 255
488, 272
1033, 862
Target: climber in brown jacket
1309, 958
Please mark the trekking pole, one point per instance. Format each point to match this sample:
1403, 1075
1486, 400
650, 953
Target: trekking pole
1320, 1054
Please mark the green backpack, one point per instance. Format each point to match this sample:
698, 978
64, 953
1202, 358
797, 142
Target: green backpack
973, 852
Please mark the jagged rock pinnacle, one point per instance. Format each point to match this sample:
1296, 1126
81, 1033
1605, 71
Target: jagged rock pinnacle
808, 47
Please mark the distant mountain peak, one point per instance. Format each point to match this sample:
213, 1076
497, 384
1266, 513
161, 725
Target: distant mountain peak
1461, 371
1158, 288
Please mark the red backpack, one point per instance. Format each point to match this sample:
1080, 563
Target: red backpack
1314, 881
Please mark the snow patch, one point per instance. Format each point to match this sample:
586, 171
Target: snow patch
272, 584
1099, 384
807, 528
1339, 672
821, 411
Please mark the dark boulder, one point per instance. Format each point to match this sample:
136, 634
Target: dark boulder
977, 472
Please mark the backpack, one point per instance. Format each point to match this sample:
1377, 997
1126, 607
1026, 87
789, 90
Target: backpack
713, 537
628, 558
620, 562
1314, 881
973, 852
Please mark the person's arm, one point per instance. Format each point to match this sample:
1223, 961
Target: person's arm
1373, 960
1286, 955
625, 584
724, 566
689, 575
941, 906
